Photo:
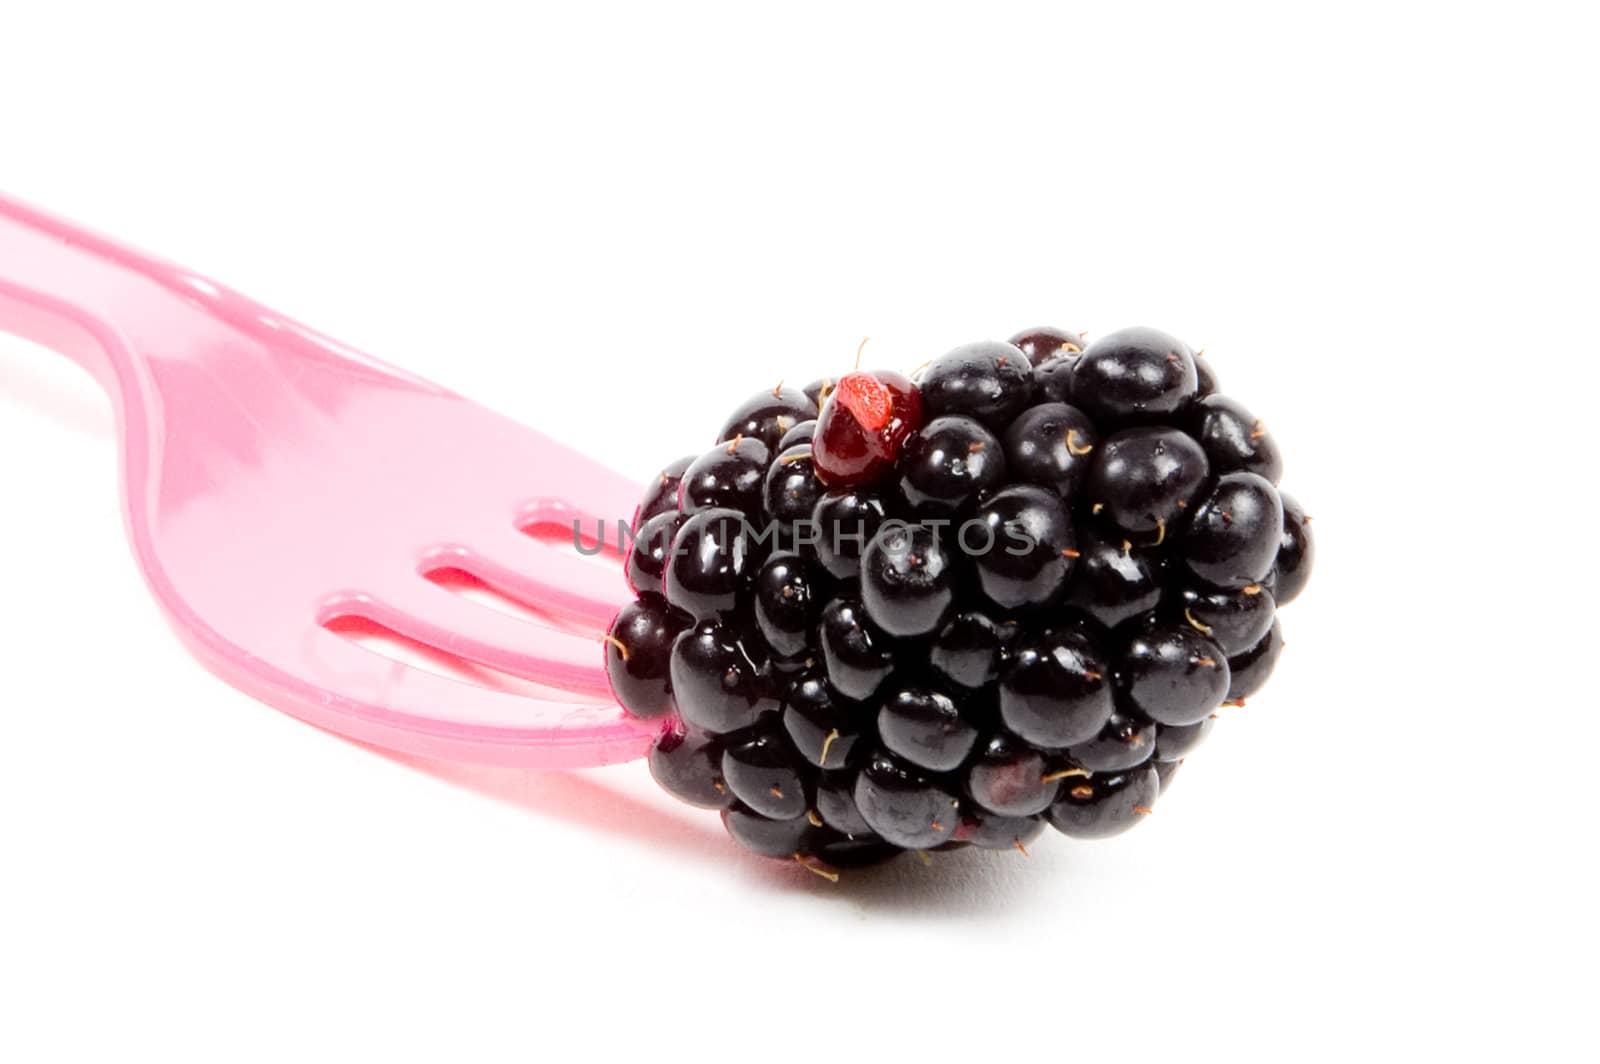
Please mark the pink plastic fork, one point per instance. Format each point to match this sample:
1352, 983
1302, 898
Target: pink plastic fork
275, 481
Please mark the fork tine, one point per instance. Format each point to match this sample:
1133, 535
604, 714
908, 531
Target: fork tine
362, 694
596, 497
553, 580
427, 613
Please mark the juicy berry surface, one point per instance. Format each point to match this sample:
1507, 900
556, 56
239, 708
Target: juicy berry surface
1046, 343
730, 476
1135, 375
714, 556
1144, 479
989, 381
882, 614
949, 462
907, 581
863, 424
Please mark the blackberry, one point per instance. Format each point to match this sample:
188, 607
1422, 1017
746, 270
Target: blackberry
651, 547
787, 594
843, 522
1056, 689
926, 729
1126, 740
662, 494
819, 390
907, 581
688, 764
791, 491
1233, 536
990, 832
638, 651
1049, 445
1105, 804
801, 433
1175, 741
948, 462
836, 850
1025, 548
824, 727
767, 837
1295, 552
989, 381
968, 651
1165, 770
862, 426
714, 555
1052, 380
1234, 620
856, 657
1172, 674
729, 475
717, 686
1235, 440
1048, 344
764, 773
1115, 579
1143, 479
1008, 777
880, 615
1248, 672
767, 416
1134, 374
904, 805
836, 805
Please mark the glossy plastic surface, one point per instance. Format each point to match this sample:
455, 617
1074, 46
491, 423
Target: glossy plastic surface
275, 481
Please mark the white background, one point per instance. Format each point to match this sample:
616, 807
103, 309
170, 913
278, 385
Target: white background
614, 222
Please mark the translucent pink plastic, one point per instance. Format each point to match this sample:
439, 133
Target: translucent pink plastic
275, 481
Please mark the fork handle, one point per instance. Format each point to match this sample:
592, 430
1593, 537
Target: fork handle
99, 301
75, 292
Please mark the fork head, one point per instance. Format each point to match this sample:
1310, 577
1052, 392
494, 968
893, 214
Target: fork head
277, 484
